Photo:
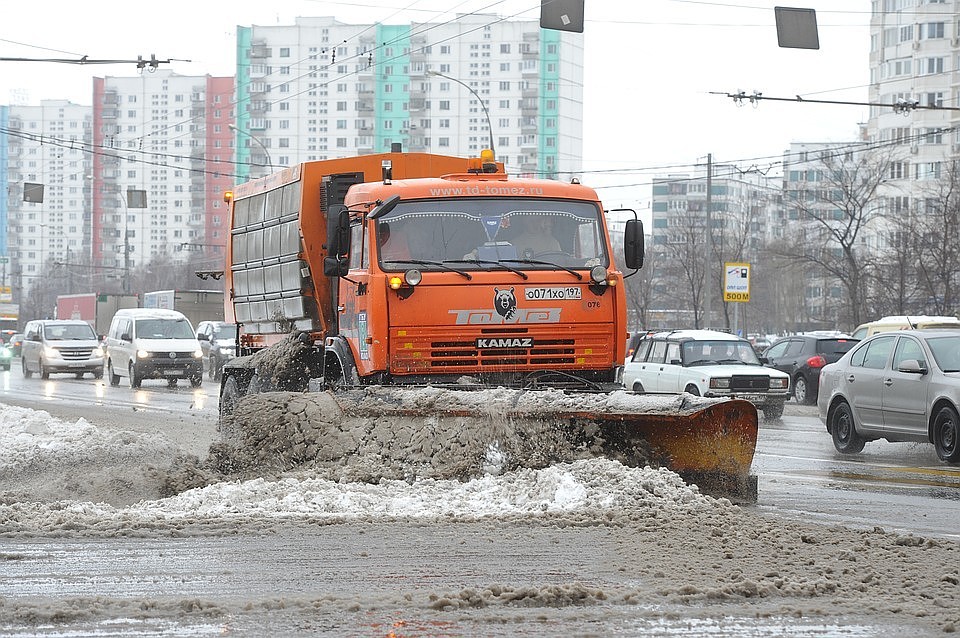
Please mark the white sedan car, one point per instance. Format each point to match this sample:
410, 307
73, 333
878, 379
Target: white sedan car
706, 363
898, 386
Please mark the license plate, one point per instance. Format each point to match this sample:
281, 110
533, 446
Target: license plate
173, 373
551, 294
77, 364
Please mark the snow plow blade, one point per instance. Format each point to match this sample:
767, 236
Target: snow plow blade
429, 431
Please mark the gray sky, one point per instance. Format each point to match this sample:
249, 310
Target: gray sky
650, 68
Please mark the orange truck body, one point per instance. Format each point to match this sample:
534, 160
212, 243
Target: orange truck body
480, 321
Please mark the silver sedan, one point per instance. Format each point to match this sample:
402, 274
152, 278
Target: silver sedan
898, 386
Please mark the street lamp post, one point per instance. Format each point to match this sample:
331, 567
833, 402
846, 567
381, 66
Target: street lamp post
138, 199
255, 139
479, 99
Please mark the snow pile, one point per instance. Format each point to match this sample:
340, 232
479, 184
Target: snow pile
54, 475
46, 459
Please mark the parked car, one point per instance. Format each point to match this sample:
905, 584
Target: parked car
802, 357
147, 343
5, 357
706, 363
218, 340
904, 322
60, 346
15, 344
898, 386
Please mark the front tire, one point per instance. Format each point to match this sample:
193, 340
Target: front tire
26, 372
946, 434
692, 389
197, 381
44, 373
114, 378
135, 379
843, 430
638, 388
773, 411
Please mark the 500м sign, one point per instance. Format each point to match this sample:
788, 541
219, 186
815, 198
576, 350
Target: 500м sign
736, 282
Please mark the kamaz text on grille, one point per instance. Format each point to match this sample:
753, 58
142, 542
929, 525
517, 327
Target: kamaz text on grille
504, 342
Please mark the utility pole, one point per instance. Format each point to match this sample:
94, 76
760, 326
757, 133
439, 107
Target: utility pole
708, 244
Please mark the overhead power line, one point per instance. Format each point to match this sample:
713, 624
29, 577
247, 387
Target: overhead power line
900, 106
151, 64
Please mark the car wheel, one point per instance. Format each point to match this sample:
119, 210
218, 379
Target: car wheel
845, 437
801, 390
98, 373
44, 373
638, 387
692, 389
171, 383
114, 378
197, 381
217, 370
23, 366
211, 368
773, 411
135, 379
946, 434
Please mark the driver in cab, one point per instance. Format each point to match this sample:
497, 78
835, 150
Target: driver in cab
536, 237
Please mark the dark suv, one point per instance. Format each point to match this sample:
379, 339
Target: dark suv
802, 357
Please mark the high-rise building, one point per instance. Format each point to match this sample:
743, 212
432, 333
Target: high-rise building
914, 57
323, 89
162, 156
47, 155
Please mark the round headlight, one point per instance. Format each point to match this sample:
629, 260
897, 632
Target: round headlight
598, 274
413, 277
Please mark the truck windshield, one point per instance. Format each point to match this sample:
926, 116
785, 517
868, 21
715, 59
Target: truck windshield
475, 232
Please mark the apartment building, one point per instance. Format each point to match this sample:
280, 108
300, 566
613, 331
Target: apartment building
323, 89
914, 62
162, 157
48, 146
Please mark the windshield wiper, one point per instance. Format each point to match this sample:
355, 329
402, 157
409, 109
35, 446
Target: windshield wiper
699, 362
425, 262
544, 263
488, 262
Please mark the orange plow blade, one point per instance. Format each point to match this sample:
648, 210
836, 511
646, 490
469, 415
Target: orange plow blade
709, 442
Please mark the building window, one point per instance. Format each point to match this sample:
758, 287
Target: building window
284, 52
444, 105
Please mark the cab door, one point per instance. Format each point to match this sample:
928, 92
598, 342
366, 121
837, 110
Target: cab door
863, 381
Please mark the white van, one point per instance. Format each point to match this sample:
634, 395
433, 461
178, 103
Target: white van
60, 345
147, 343
903, 322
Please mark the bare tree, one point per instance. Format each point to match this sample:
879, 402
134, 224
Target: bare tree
933, 237
682, 266
836, 212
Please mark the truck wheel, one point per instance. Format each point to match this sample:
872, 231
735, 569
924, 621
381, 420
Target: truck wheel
114, 378
135, 379
229, 397
23, 366
44, 373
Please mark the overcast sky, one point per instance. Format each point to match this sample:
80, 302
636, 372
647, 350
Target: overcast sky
650, 68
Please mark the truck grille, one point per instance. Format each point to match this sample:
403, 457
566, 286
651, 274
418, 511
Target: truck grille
442, 351
751, 383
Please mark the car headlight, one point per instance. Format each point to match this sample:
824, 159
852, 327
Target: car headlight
51, 353
779, 384
97, 351
4, 351
722, 383
198, 354
143, 354
226, 350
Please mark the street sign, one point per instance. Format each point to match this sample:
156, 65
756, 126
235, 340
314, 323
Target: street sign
736, 282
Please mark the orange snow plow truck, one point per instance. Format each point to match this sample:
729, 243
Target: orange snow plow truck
374, 278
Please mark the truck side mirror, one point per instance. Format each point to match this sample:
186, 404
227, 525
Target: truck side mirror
335, 266
633, 248
338, 235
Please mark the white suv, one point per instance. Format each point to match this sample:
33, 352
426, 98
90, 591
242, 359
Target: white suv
60, 345
706, 363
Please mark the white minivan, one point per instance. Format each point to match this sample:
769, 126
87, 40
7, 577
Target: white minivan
60, 345
148, 343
